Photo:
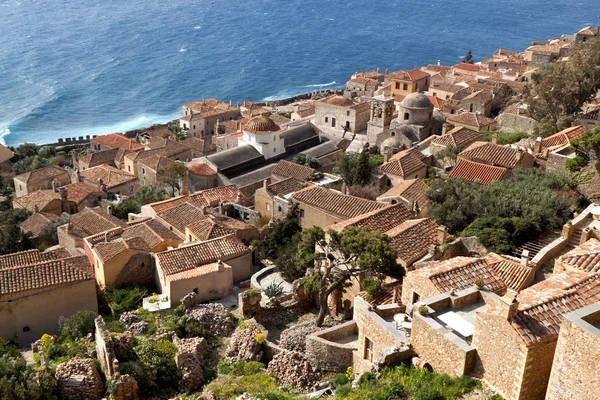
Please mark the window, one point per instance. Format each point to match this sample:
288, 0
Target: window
406, 116
471, 108
397, 85
184, 126
347, 124
301, 213
434, 94
393, 133
347, 113
326, 119
368, 349
194, 126
195, 290
268, 207
143, 265
129, 168
415, 297
279, 208
20, 187
26, 329
447, 97
405, 86
143, 171
274, 150
333, 122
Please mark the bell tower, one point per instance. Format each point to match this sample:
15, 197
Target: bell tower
382, 113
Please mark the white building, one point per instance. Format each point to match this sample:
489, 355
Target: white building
264, 135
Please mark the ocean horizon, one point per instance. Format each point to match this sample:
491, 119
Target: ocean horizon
81, 68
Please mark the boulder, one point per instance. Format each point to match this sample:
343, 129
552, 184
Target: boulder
188, 301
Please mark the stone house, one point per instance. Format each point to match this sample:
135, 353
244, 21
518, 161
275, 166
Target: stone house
585, 34
363, 86
212, 226
575, 367
497, 155
583, 258
87, 222
114, 141
264, 197
199, 268
328, 153
515, 118
476, 122
407, 164
38, 288
322, 207
48, 201
342, 114
96, 158
200, 118
443, 89
459, 138
539, 54
84, 195
286, 169
411, 193
469, 69
48, 177
152, 169
35, 224
167, 148
109, 179
479, 102
525, 331
407, 82
303, 111
478, 172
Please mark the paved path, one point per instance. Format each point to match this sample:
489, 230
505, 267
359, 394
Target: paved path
275, 277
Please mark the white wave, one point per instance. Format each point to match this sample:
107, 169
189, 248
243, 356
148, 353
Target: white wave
322, 84
183, 50
197, 27
4, 131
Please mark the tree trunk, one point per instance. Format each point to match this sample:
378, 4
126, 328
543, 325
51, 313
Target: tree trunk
323, 309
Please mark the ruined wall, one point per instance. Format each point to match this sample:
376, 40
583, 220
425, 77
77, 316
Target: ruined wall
323, 352
444, 351
556, 163
516, 123
105, 348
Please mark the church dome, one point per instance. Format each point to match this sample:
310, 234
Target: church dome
339, 101
416, 100
261, 124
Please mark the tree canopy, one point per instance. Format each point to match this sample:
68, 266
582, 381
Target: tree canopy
173, 175
356, 168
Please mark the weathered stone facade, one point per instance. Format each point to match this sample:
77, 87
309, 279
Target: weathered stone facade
326, 353
577, 357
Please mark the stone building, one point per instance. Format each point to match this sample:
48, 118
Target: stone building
497, 155
342, 114
585, 34
38, 288
407, 164
459, 138
114, 141
476, 122
212, 226
363, 86
590, 119
515, 118
48, 201
87, 222
36, 223
205, 268
201, 177
575, 367
5, 156
407, 82
264, 197
410, 193
200, 118
479, 102
478, 172
48, 177
109, 179
96, 158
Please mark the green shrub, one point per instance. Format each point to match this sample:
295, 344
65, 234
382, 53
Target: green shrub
576, 164
342, 391
79, 325
373, 287
339, 380
274, 289
126, 299
366, 379
505, 137
423, 310
312, 284
159, 356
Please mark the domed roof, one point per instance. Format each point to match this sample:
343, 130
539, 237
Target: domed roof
416, 100
261, 124
339, 101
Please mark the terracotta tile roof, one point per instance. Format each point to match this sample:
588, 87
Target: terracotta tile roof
436, 101
279, 119
304, 112
404, 163
36, 223
29, 257
212, 197
197, 272
593, 115
464, 276
336, 202
91, 221
474, 171
209, 107
380, 220
495, 154
191, 256
540, 322
483, 96
40, 198
459, 137
49, 172
585, 257
470, 67
208, 228
408, 75
588, 30
201, 169
413, 239
163, 205
100, 157
109, 249
516, 108
45, 274
181, 216
152, 232
292, 170
564, 137
117, 140
110, 176
197, 145
5, 153
229, 222
284, 187
79, 191
390, 296
156, 163
410, 190
544, 49
470, 119
512, 272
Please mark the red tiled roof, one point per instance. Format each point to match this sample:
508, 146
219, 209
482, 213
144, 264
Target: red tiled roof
5, 153
585, 257
474, 171
465, 275
91, 221
459, 137
412, 239
593, 115
336, 202
152, 232
408, 75
191, 256
110, 176
51, 171
201, 169
404, 163
29, 257
36, 223
410, 190
390, 296
292, 170
494, 154
79, 191
209, 228
182, 215
512, 272
564, 137
470, 67
208, 198
117, 140
39, 198
380, 220
470, 119
284, 187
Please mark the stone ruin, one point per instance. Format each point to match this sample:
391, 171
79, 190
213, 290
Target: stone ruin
214, 317
188, 301
134, 323
78, 379
189, 359
243, 344
294, 338
293, 369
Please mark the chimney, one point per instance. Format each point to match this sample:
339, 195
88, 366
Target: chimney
439, 63
442, 235
109, 210
185, 185
495, 138
78, 176
508, 305
518, 156
525, 258
386, 157
344, 189
537, 146
203, 210
239, 199
36, 209
220, 265
63, 194
55, 184
265, 183
444, 128
221, 209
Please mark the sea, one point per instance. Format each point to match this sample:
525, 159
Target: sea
73, 68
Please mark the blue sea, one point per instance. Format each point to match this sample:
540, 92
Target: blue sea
72, 68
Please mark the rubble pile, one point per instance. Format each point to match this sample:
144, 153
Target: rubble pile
188, 301
125, 387
293, 369
213, 317
294, 338
243, 344
247, 396
134, 323
79, 379
123, 344
189, 359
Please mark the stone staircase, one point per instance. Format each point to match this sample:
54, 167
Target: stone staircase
576, 236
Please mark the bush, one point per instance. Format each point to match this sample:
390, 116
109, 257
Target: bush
339, 380
274, 289
126, 299
423, 310
159, 356
79, 325
18, 380
576, 164
373, 287
240, 367
505, 137
503, 235
312, 284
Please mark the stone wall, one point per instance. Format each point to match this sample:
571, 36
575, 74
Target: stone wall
556, 163
139, 270
576, 360
105, 349
536, 372
516, 123
325, 353
443, 350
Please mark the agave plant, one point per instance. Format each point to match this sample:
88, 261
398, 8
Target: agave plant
274, 290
